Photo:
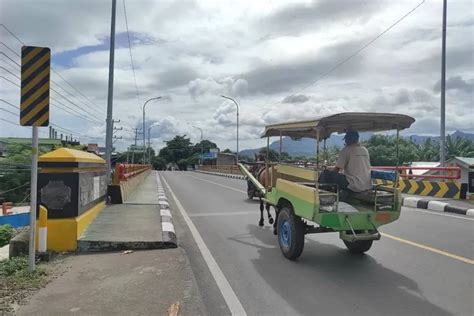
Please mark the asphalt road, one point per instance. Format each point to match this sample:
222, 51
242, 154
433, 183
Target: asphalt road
423, 265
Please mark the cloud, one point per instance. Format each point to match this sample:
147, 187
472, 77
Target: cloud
210, 86
296, 18
456, 83
299, 98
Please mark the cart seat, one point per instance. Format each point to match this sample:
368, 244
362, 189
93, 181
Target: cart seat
368, 196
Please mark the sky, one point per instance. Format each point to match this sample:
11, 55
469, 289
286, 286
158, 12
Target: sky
270, 56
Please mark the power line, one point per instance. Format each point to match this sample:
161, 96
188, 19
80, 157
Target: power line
2, 53
8, 111
9, 121
9, 48
5, 78
345, 60
11, 73
57, 73
91, 114
10, 104
88, 106
20, 186
130, 51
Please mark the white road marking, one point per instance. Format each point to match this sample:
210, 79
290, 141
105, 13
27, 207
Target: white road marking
222, 214
221, 185
412, 209
228, 293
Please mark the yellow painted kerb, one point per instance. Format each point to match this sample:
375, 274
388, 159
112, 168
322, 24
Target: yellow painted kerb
64, 233
70, 155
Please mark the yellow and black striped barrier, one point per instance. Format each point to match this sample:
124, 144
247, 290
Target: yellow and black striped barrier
453, 190
35, 73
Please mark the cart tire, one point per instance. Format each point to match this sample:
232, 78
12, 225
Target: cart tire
290, 231
359, 246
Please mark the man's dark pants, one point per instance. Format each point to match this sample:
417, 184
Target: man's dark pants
333, 177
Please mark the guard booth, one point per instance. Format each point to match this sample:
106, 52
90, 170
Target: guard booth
72, 185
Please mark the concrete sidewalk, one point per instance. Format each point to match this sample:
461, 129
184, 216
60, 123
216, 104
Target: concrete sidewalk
137, 283
136, 224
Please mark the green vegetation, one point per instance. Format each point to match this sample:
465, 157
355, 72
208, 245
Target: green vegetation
182, 152
16, 281
6, 234
382, 150
15, 170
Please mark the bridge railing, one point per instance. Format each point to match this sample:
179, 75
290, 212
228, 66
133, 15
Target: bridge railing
447, 173
123, 171
230, 169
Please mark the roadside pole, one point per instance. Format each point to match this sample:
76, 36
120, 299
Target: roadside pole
110, 97
34, 112
442, 136
33, 189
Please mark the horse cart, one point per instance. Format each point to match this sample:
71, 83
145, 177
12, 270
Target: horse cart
305, 206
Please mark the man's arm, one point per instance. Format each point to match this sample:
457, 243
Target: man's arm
341, 160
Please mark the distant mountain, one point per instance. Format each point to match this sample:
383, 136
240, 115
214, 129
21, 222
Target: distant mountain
307, 146
417, 139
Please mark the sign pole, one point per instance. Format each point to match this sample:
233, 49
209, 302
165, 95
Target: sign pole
34, 182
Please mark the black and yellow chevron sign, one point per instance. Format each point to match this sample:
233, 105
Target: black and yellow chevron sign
453, 190
35, 73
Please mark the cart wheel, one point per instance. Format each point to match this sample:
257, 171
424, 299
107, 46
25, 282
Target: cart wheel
359, 246
290, 230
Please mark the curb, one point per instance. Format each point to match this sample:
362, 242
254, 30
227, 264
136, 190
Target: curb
437, 206
167, 227
232, 176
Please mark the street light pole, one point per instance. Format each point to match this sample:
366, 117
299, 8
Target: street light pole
442, 153
110, 97
149, 142
144, 136
237, 105
202, 148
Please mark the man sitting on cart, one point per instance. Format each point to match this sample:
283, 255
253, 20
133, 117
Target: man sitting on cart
354, 161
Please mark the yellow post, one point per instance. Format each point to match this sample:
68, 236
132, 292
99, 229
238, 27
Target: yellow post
42, 229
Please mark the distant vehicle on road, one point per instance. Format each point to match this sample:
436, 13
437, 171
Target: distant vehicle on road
299, 198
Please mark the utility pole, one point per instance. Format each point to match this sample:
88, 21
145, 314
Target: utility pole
149, 141
137, 131
442, 138
109, 132
202, 148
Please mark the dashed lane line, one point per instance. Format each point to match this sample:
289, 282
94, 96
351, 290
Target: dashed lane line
228, 293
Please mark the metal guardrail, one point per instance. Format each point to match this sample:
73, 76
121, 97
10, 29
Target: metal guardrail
123, 171
453, 173
230, 169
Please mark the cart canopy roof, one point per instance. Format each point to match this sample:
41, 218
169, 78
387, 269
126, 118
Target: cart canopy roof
340, 123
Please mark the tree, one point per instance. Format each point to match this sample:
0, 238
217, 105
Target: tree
15, 172
206, 146
458, 147
382, 150
176, 149
273, 155
227, 151
428, 151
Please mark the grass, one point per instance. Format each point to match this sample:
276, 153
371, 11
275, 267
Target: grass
16, 281
6, 233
